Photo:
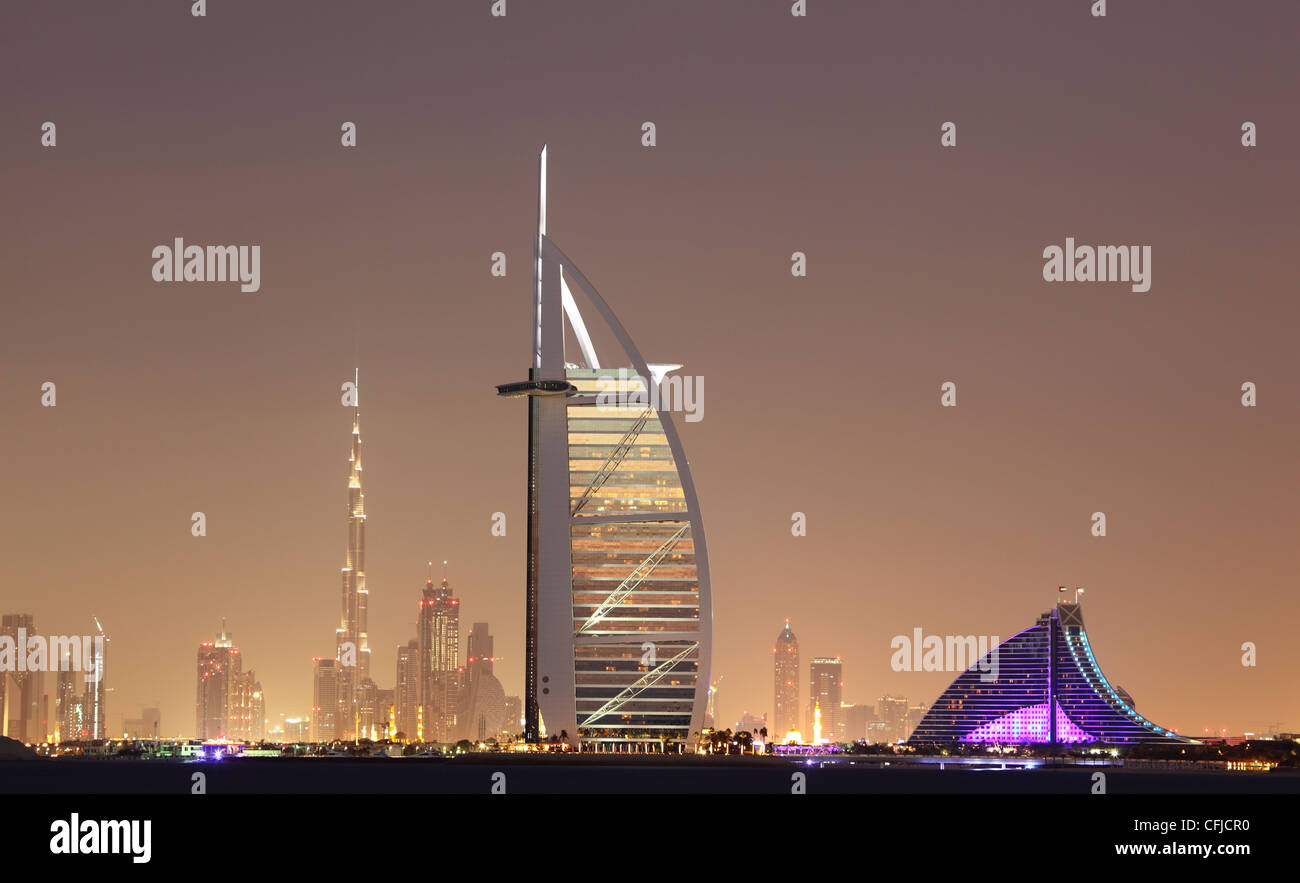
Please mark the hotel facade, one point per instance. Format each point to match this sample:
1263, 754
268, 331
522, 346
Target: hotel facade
1048, 689
619, 608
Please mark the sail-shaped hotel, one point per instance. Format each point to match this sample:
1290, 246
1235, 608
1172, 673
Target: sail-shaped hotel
1046, 688
619, 611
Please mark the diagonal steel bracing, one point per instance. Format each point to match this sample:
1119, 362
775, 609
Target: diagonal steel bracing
611, 462
634, 579
647, 680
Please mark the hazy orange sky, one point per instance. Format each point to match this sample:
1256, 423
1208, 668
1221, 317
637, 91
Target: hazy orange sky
775, 134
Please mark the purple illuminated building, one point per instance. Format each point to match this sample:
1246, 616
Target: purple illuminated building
1040, 686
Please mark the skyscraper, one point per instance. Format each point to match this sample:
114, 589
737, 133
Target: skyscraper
21, 691
481, 714
384, 720
95, 701
825, 691
406, 696
353, 642
228, 700
244, 699
69, 703
369, 719
785, 692
325, 700
219, 665
618, 606
857, 721
439, 648
893, 712
256, 710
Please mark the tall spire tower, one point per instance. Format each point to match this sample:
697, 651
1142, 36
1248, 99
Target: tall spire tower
353, 651
785, 700
618, 608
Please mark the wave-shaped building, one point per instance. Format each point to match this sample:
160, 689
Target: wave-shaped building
1040, 686
619, 611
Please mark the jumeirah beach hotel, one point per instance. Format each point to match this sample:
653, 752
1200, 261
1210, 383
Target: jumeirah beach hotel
1047, 688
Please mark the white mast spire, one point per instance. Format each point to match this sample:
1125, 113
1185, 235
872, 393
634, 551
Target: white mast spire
541, 193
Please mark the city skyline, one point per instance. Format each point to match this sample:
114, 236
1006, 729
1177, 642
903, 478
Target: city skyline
445, 728
924, 266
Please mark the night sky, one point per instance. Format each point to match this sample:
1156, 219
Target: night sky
775, 134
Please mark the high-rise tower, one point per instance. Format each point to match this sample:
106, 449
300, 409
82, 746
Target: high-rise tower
68, 703
95, 702
619, 613
406, 692
481, 713
21, 690
353, 643
218, 667
227, 698
439, 648
325, 700
785, 700
825, 692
